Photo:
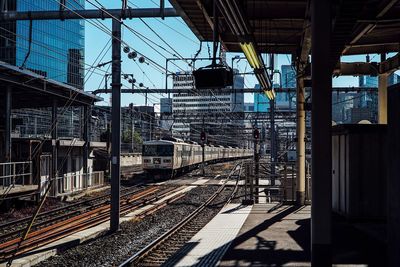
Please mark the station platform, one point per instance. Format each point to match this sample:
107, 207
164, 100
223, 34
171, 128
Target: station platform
251, 236
277, 238
269, 235
18, 190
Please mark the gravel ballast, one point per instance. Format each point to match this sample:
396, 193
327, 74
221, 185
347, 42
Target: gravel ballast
111, 250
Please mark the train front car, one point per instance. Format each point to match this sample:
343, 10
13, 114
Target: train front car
158, 157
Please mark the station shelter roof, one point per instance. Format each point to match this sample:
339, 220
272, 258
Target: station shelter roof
358, 26
31, 90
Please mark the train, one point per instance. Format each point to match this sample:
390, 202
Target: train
168, 158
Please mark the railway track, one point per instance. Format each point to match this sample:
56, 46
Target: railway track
50, 230
163, 248
15, 227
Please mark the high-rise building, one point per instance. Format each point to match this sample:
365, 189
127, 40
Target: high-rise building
288, 76
206, 102
165, 112
286, 100
56, 50
367, 102
393, 79
261, 101
249, 107
283, 100
166, 105
372, 81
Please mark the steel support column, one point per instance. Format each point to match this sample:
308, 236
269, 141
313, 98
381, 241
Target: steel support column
54, 154
115, 126
257, 171
393, 181
86, 137
273, 147
321, 133
7, 135
382, 98
301, 144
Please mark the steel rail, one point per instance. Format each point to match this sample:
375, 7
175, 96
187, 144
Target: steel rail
153, 245
70, 221
84, 221
52, 212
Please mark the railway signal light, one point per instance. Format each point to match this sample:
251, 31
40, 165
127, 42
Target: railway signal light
203, 136
256, 134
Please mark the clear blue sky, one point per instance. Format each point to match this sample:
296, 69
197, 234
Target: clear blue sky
173, 30
177, 34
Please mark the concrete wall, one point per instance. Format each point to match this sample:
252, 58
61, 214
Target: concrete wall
127, 160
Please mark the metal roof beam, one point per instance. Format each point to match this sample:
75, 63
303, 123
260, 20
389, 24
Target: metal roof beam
89, 14
356, 69
369, 27
364, 68
222, 91
390, 65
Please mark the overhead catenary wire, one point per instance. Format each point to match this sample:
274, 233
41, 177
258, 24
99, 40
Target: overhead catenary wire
70, 147
150, 60
166, 25
136, 50
109, 32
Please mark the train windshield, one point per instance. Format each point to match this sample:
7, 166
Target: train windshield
158, 150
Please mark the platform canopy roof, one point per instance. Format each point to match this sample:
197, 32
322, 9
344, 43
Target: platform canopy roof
31, 90
279, 26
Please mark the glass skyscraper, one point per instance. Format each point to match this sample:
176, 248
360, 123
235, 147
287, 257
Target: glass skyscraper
288, 76
56, 51
261, 101
57, 47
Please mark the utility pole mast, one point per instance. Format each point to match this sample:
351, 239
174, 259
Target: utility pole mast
203, 141
256, 135
273, 138
116, 125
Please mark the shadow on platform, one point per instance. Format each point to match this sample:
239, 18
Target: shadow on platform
260, 247
283, 238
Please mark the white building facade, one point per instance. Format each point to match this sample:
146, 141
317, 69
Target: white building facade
205, 102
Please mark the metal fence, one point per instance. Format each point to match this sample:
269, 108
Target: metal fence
75, 182
15, 173
276, 181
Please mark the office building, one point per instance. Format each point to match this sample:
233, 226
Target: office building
56, 51
288, 76
166, 120
248, 107
202, 103
57, 47
365, 104
166, 105
261, 101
